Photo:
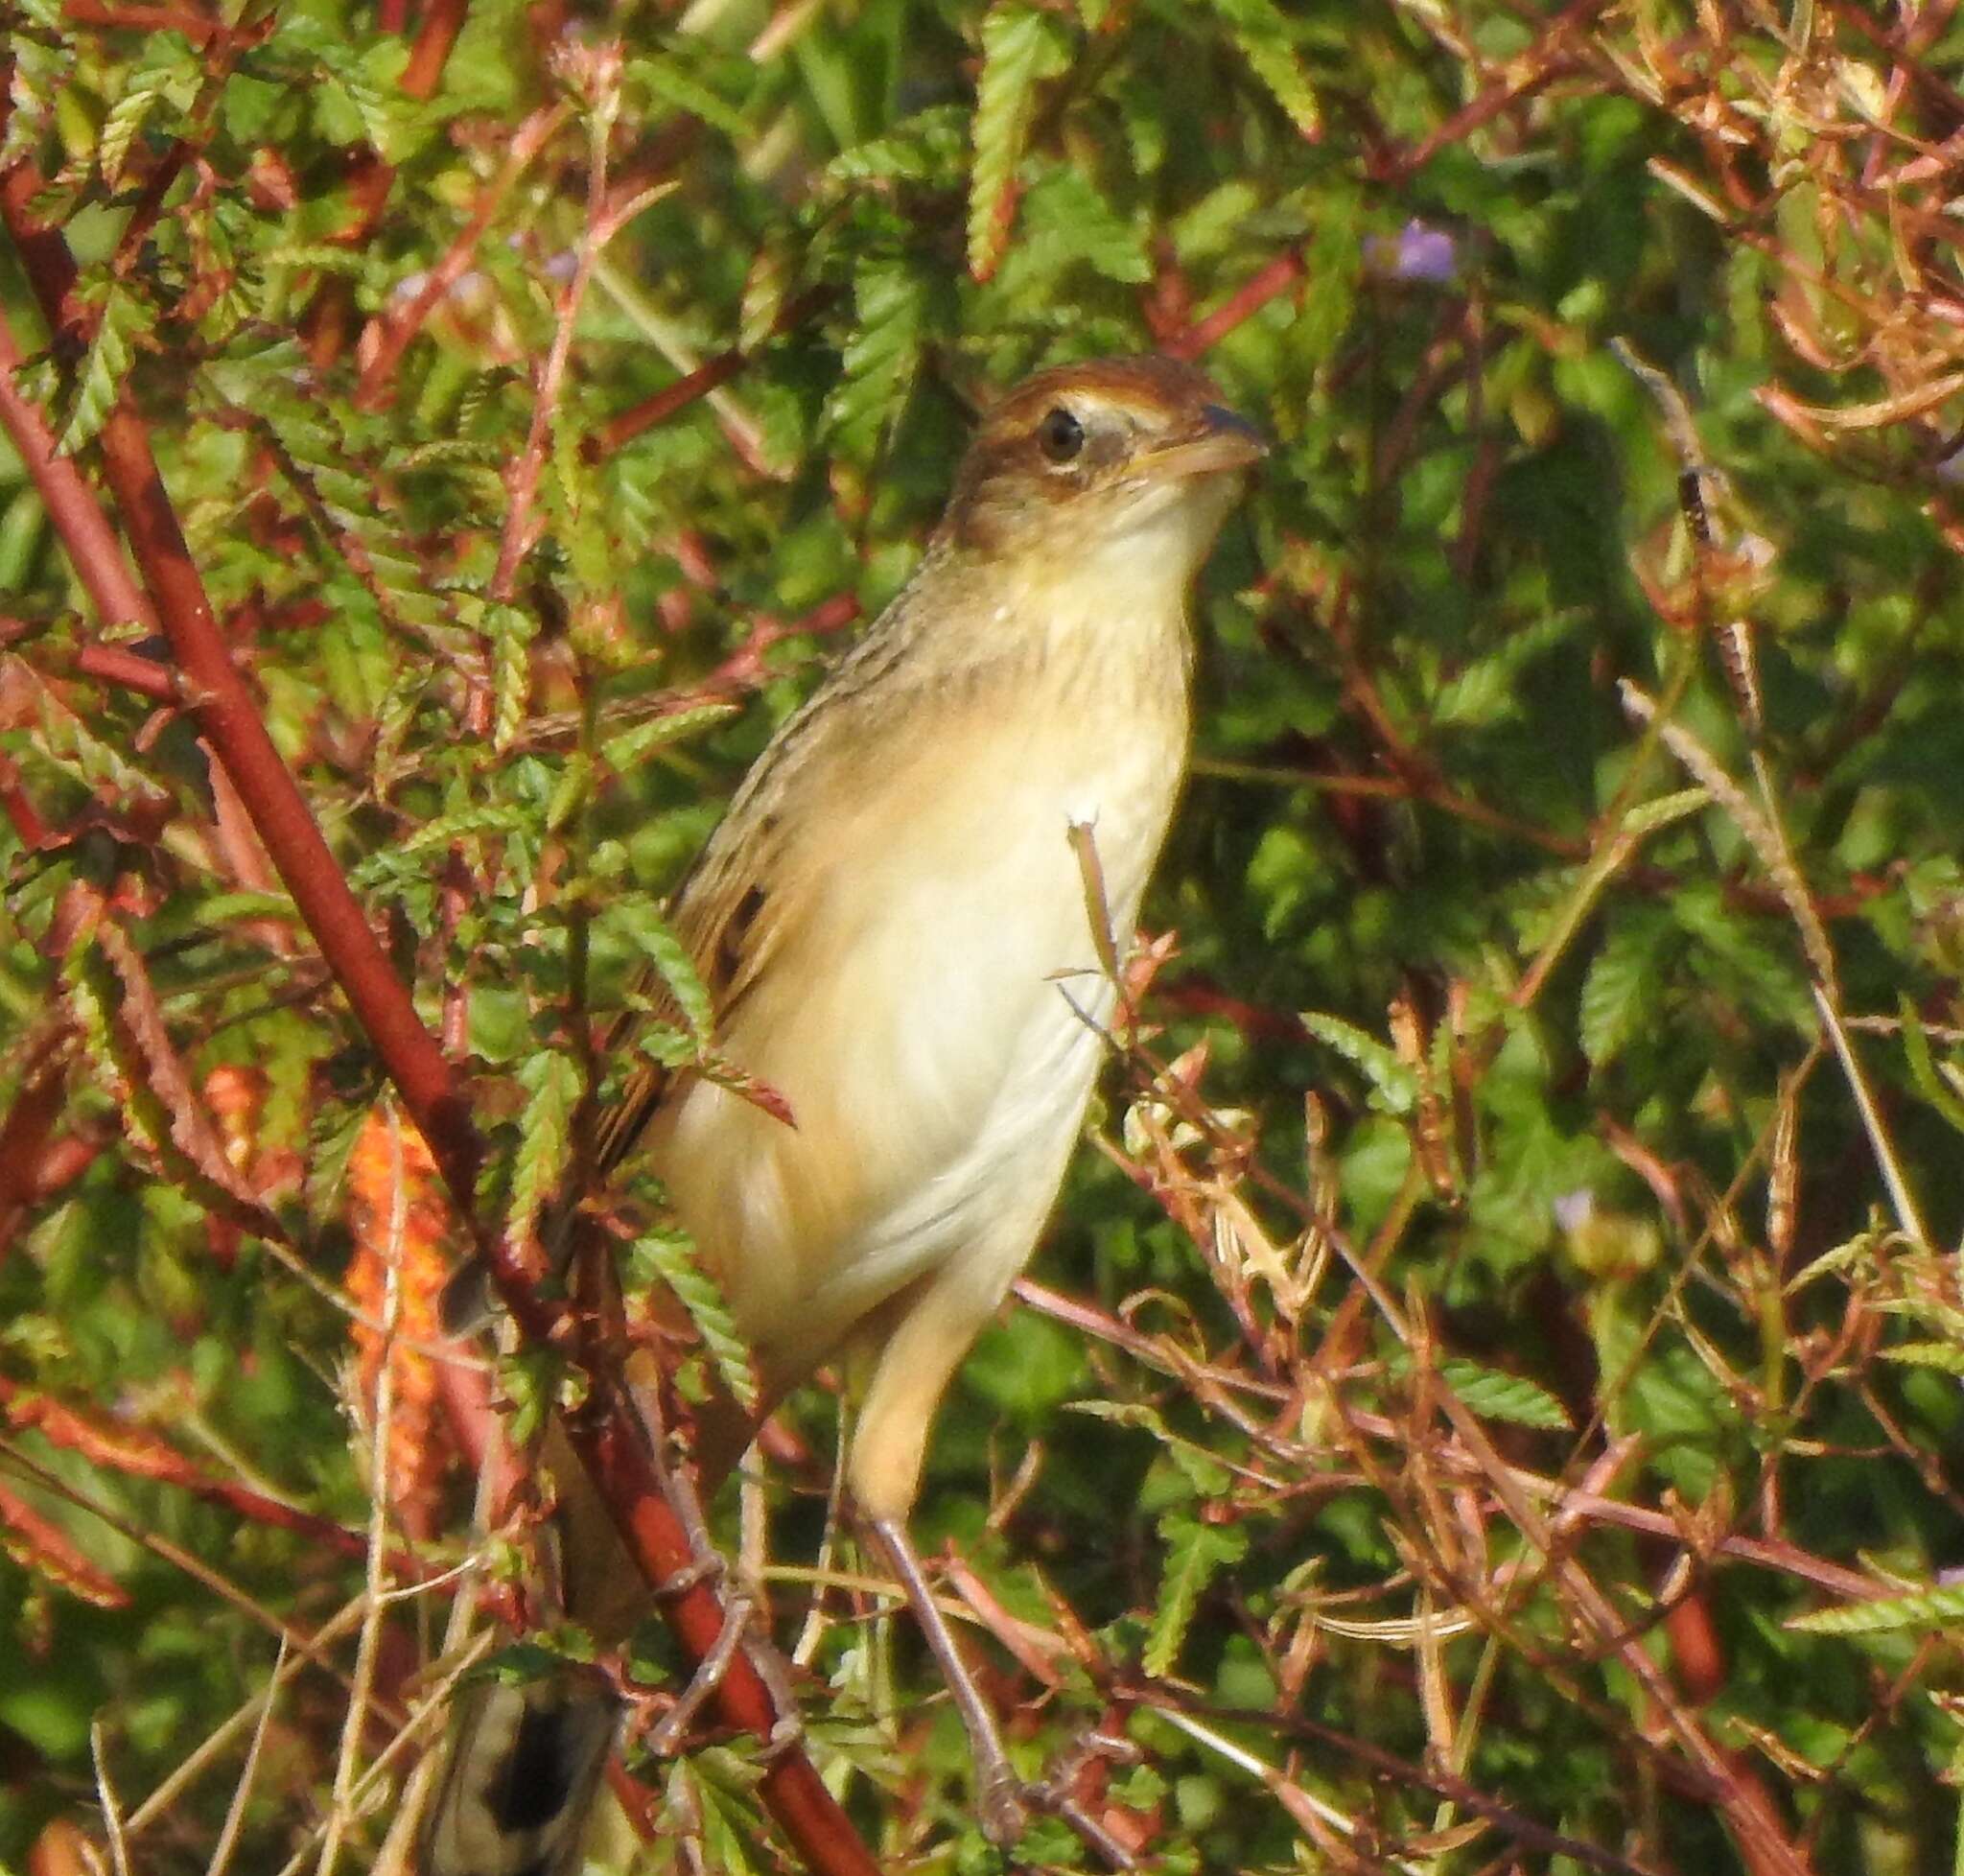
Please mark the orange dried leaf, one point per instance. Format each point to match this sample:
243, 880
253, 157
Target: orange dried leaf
38, 1545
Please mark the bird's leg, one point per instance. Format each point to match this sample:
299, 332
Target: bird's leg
1002, 1803
666, 1734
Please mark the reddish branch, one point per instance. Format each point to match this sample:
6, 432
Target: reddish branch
607, 1437
442, 21
196, 27
139, 1453
70, 504
693, 386
388, 335
132, 671
665, 403
1525, 74
1275, 279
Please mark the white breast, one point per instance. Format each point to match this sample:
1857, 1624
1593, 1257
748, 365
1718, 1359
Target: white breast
922, 1028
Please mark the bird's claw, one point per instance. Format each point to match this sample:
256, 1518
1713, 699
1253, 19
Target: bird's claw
1003, 1803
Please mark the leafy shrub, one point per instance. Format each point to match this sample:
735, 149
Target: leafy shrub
1490, 1399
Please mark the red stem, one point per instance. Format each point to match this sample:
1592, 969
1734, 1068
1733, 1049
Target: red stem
71, 505
1277, 277
25, 1130
670, 399
131, 670
607, 1439
442, 21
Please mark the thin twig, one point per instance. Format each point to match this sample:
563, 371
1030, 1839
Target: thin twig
241, 1793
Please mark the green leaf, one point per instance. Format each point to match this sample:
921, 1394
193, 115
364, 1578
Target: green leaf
1021, 46
672, 965
667, 77
551, 1085
890, 302
927, 148
1948, 1358
1922, 1069
1623, 983
1261, 32
670, 1256
1196, 1553
122, 319
1489, 689
511, 630
1066, 221
627, 751
405, 858
1941, 1607
1396, 1085
1495, 1396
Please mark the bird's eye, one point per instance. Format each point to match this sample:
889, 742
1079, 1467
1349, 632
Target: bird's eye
1059, 435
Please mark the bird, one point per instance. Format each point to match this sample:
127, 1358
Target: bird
897, 923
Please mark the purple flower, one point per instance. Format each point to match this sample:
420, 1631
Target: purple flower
1418, 251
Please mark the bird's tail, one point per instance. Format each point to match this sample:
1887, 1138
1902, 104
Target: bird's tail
525, 1761
522, 1768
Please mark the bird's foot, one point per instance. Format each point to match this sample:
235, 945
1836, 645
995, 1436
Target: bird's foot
1002, 1801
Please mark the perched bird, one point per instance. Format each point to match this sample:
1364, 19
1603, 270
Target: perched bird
894, 923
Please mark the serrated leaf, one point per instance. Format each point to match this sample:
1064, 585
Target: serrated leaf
1940, 1607
627, 750
466, 824
1488, 691
511, 630
1496, 1396
1649, 816
123, 318
671, 1256
1946, 1356
925, 148
1622, 984
1395, 1084
120, 128
552, 1083
34, 83
1020, 47
1196, 1553
1261, 33
672, 965
890, 303
1066, 221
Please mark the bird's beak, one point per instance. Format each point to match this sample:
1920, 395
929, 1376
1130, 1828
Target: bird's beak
1219, 441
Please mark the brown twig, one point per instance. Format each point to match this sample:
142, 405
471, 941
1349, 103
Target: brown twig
1525, 74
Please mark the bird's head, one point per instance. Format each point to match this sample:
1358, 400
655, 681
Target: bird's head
1131, 460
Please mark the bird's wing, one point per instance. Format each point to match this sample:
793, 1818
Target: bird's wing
739, 900
729, 921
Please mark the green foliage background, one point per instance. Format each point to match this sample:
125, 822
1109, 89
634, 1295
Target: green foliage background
1579, 1042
